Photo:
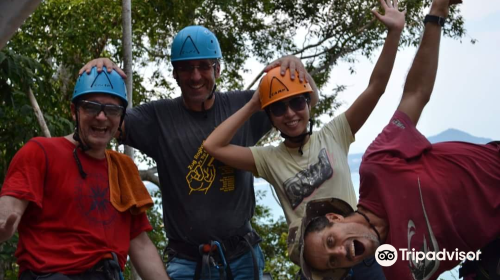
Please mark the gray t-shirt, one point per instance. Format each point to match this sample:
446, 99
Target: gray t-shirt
203, 199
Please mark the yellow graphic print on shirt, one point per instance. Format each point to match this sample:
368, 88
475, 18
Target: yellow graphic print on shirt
202, 173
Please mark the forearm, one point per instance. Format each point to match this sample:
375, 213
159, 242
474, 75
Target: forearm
222, 135
145, 258
383, 68
361, 109
422, 74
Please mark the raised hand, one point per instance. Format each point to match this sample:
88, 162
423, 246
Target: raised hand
289, 62
255, 101
393, 18
99, 63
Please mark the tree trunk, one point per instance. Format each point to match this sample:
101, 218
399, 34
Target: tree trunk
127, 66
127, 57
38, 113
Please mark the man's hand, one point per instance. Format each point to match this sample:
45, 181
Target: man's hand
99, 63
393, 18
7, 227
289, 62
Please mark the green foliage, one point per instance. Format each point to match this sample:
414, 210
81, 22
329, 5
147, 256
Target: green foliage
7, 259
274, 234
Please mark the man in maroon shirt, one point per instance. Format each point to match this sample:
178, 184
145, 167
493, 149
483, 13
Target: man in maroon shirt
421, 198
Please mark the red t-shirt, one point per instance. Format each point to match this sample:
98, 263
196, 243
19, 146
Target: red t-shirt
69, 224
434, 197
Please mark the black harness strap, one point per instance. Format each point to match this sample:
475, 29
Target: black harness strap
254, 259
219, 256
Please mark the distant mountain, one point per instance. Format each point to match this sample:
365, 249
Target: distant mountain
447, 135
457, 135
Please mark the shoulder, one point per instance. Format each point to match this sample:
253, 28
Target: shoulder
119, 156
263, 152
46, 143
237, 94
151, 105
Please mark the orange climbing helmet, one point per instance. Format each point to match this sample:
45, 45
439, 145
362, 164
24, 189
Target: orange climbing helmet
274, 87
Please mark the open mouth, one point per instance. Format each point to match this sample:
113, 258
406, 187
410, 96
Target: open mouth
359, 248
99, 130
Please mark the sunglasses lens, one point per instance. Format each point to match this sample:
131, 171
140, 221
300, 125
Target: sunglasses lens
94, 108
278, 108
91, 107
113, 110
298, 103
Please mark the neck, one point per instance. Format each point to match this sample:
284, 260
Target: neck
380, 224
197, 106
95, 153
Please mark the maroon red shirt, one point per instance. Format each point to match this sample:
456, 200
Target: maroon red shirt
436, 197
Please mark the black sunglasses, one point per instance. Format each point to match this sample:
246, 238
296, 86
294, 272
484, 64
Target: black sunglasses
95, 108
203, 67
279, 108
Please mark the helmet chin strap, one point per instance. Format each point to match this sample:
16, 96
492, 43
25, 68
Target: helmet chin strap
299, 138
76, 135
208, 98
83, 147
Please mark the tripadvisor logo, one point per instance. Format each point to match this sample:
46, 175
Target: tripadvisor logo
387, 255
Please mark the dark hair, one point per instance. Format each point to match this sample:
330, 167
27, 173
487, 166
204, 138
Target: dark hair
317, 225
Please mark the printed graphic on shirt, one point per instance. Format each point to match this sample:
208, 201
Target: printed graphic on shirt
92, 196
422, 270
202, 172
227, 178
306, 181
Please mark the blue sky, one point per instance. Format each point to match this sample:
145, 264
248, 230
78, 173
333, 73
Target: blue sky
466, 94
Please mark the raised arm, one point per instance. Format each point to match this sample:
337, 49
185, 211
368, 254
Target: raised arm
218, 143
420, 80
361, 109
145, 258
11, 211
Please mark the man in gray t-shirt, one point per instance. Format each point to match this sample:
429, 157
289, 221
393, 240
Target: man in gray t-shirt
204, 200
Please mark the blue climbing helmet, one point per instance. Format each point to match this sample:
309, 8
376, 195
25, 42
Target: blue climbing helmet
104, 82
195, 42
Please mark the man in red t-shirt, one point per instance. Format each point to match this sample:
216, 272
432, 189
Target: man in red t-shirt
421, 198
57, 194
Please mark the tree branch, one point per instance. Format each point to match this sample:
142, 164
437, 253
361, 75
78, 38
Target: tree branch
38, 113
150, 175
